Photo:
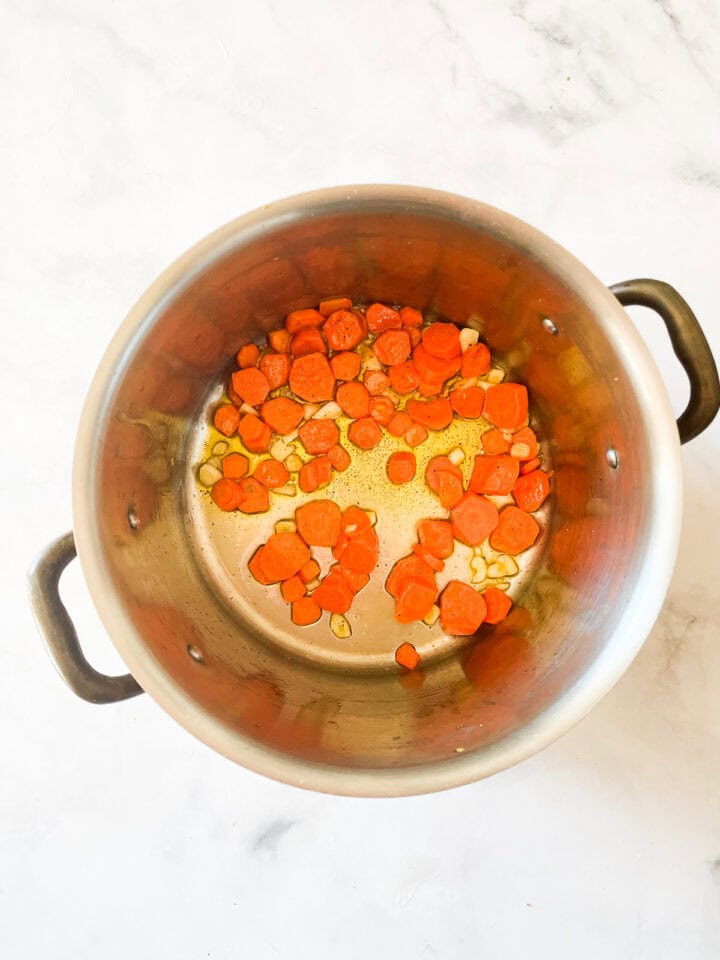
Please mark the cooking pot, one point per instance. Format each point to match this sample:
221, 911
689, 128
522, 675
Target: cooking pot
218, 660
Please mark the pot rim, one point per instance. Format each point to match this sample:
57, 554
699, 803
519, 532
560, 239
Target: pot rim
635, 622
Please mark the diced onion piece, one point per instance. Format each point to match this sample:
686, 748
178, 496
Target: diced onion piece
215, 462
328, 411
220, 448
293, 463
247, 408
467, 382
371, 362
502, 584
468, 338
456, 456
310, 409
502, 567
280, 450
372, 517
313, 584
510, 565
208, 475
487, 551
287, 490
339, 626
432, 615
289, 437
478, 569
496, 375
520, 450
285, 526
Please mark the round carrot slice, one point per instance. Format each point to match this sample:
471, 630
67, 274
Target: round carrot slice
515, 531
279, 340
475, 361
433, 414
345, 329
392, 347
432, 368
380, 318
292, 589
255, 498
530, 491
401, 467
430, 559
318, 522
468, 402
415, 435
271, 473
346, 365
527, 436
255, 435
494, 443
442, 340
334, 594
276, 368
298, 319
444, 479
283, 555
462, 609
437, 537
339, 457
411, 317
305, 611
406, 568
311, 378
473, 518
415, 600
498, 605
494, 475
327, 307
308, 340
365, 433
247, 356
376, 381
506, 405
226, 494
318, 436
382, 409
317, 473
404, 377
282, 414
227, 419
353, 399
407, 656
400, 422
235, 466
251, 384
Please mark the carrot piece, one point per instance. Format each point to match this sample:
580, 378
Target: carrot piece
326, 307
251, 385
468, 402
415, 600
271, 473
256, 569
226, 494
311, 378
436, 536
283, 555
529, 466
353, 399
345, 365
445, 480
279, 340
432, 368
234, 395
339, 457
392, 347
292, 589
411, 317
255, 498
355, 522
357, 546
356, 581
506, 405
404, 377
415, 435
527, 436
432, 561
382, 409
406, 568
442, 340
235, 466
415, 336
247, 356
401, 467
375, 382
309, 571
276, 367
318, 523
380, 318
531, 490
407, 656
305, 611
317, 473
430, 388
475, 361
318, 436
433, 414
365, 433
282, 414
493, 442
515, 531
494, 475
226, 419
462, 609
334, 594
498, 605
400, 423
308, 340
473, 518
303, 318
255, 435
345, 329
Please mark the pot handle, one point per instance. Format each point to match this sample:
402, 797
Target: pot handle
59, 634
690, 346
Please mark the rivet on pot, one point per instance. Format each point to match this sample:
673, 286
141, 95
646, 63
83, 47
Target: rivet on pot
133, 519
195, 653
612, 458
550, 326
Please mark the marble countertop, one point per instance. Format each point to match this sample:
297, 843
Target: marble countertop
128, 132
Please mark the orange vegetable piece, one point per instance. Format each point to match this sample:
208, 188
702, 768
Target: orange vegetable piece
430, 559
433, 414
382, 409
380, 318
410, 317
529, 466
356, 581
475, 361
251, 385
365, 433
318, 436
407, 656
432, 368
271, 473
357, 546
345, 329
345, 365
493, 442
292, 589
227, 419
400, 423
442, 340
462, 609
247, 356
255, 498
226, 494
392, 347
445, 480
283, 555
375, 382
531, 490
305, 611
515, 531
339, 457
279, 340
309, 571
308, 340
303, 318
282, 414
318, 523
353, 399
415, 336
311, 378
494, 475
415, 600
276, 367
326, 307
473, 518
317, 473
401, 467
355, 522
255, 435
334, 594
527, 435
430, 388
256, 569
404, 377
506, 405
235, 466
498, 605
468, 402
407, 568
436, 536
415, 435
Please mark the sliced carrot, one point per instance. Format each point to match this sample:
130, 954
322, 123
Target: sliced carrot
404, 377
303, 318
318, 522
334, 594
433, 414
382, 409
308, 340
271, 473
318, 436
506, 405
473, 518
365, 433
515, 531
529, 466
255, 498
445, 480
527, 436
437, 537
345, 365
227, 494
339, 457
392, 347
442, 340
356, 581
357, 546
311, 378
468, 402
380, 318
276, 367
415, 600
415, 336
475, 361
227, 419
408, 567
498, 605
326, 307
430, 388
430, 559
251, 385
494, 443
415, 435
247, 356
279, 340
401, 467
375, 382
292, 589
234, 395
256, 569
235, 466
407, 656
315, 474
305, 611
432, 368
255, 435
494, 475
355, 521
462, 609
345, 329
353, 399
283, 555
400, 422
309, 571
411, 317
531, 490
282, 414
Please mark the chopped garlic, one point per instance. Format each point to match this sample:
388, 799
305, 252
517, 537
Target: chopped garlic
468, 338
293, 463
510, 564
487, 551
496, 375
456, 456
313, 584
289, 437
246, 408
371, 362
215, 462
520, 450
280, 450
220, 448
287, 490
339, 626
372, 517
432, 615
479, 569
502, 584
329, 411
208, 475
310, 409
467, 382
502, 567
285, 526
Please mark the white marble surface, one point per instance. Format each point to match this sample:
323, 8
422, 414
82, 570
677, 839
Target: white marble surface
129, 130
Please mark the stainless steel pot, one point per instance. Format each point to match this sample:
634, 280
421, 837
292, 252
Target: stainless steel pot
217, 660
